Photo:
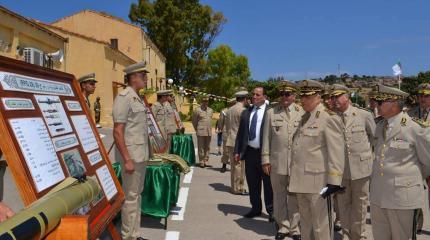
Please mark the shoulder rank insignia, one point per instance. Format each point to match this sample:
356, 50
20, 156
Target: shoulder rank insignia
403, 122
330, 112
354, 114
421, 122
297, 108
317, 115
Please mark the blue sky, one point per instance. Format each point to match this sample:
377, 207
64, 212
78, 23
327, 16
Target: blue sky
298, 39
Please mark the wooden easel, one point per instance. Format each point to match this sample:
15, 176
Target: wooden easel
102, 213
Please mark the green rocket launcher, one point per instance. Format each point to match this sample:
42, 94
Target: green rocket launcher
42, 216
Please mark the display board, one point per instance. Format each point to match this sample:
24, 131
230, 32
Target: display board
48, 135
158, 143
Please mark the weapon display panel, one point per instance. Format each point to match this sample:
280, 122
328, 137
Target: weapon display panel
47, 134
156, 138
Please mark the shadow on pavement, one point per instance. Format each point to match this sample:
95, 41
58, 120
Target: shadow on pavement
233, 209
259, 226
220, 187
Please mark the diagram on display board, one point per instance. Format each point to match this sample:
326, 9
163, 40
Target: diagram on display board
47, 135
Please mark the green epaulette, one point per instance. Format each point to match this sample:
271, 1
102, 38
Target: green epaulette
421, 122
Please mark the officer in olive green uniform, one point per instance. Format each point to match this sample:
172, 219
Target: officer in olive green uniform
131, 139
308, 173
280, 125
350, 163
222, 125
159, 111
237, 171
401, 150
171, 126
421, 111
202, 123
88, 86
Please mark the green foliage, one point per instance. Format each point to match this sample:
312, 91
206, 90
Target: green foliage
226, 71
184, 117
331, 79
271, 86
410, 84
217, 106
183, 31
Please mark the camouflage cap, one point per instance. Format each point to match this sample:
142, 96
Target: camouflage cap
424, 89
310, 87
338, 89
385, 93
88, 78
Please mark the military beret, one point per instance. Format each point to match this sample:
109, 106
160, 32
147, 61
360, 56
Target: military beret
287, 86
88, 78
384, 93
424, 89
241, 94
338, 89
137, 67
164, 92
310, 87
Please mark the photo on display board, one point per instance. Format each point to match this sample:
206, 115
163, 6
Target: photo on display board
73, 161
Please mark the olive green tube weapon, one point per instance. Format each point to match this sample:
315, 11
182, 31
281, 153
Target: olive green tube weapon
42, 216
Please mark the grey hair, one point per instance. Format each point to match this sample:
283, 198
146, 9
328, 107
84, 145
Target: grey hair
401, 103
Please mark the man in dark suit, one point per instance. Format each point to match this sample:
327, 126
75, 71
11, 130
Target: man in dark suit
248, 148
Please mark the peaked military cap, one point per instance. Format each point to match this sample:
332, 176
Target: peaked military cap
137, 67
287, 86
88, 78
205, 98
164, 92
338, 89
231, 100
241, 94
310, 87
424, 89
384, 93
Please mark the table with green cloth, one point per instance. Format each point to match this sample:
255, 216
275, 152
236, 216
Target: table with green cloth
160, 190
183, 146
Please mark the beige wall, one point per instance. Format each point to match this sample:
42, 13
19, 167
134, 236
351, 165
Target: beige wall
87, 56
20, 33
131, 40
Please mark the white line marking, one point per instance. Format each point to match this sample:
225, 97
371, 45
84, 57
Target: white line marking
189, 176
172, 235
196, 151
179, 211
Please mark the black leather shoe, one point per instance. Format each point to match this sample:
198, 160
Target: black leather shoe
337, 227
141, 238
280, 236
252, 214
224, 168
296, 237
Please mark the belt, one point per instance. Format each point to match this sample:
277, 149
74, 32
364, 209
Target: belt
252, 148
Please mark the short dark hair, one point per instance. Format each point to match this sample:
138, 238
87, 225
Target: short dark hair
264, 90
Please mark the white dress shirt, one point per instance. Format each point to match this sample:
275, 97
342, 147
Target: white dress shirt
256, 142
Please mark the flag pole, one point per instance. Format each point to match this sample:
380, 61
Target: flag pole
399, 80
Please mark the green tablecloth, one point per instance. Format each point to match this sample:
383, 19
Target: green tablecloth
183, 146
161, 188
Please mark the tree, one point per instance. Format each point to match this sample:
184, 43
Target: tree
183, 30
330, 79
226, 71
410, 84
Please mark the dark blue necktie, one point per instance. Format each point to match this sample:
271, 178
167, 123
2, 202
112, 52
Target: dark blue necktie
253, 128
